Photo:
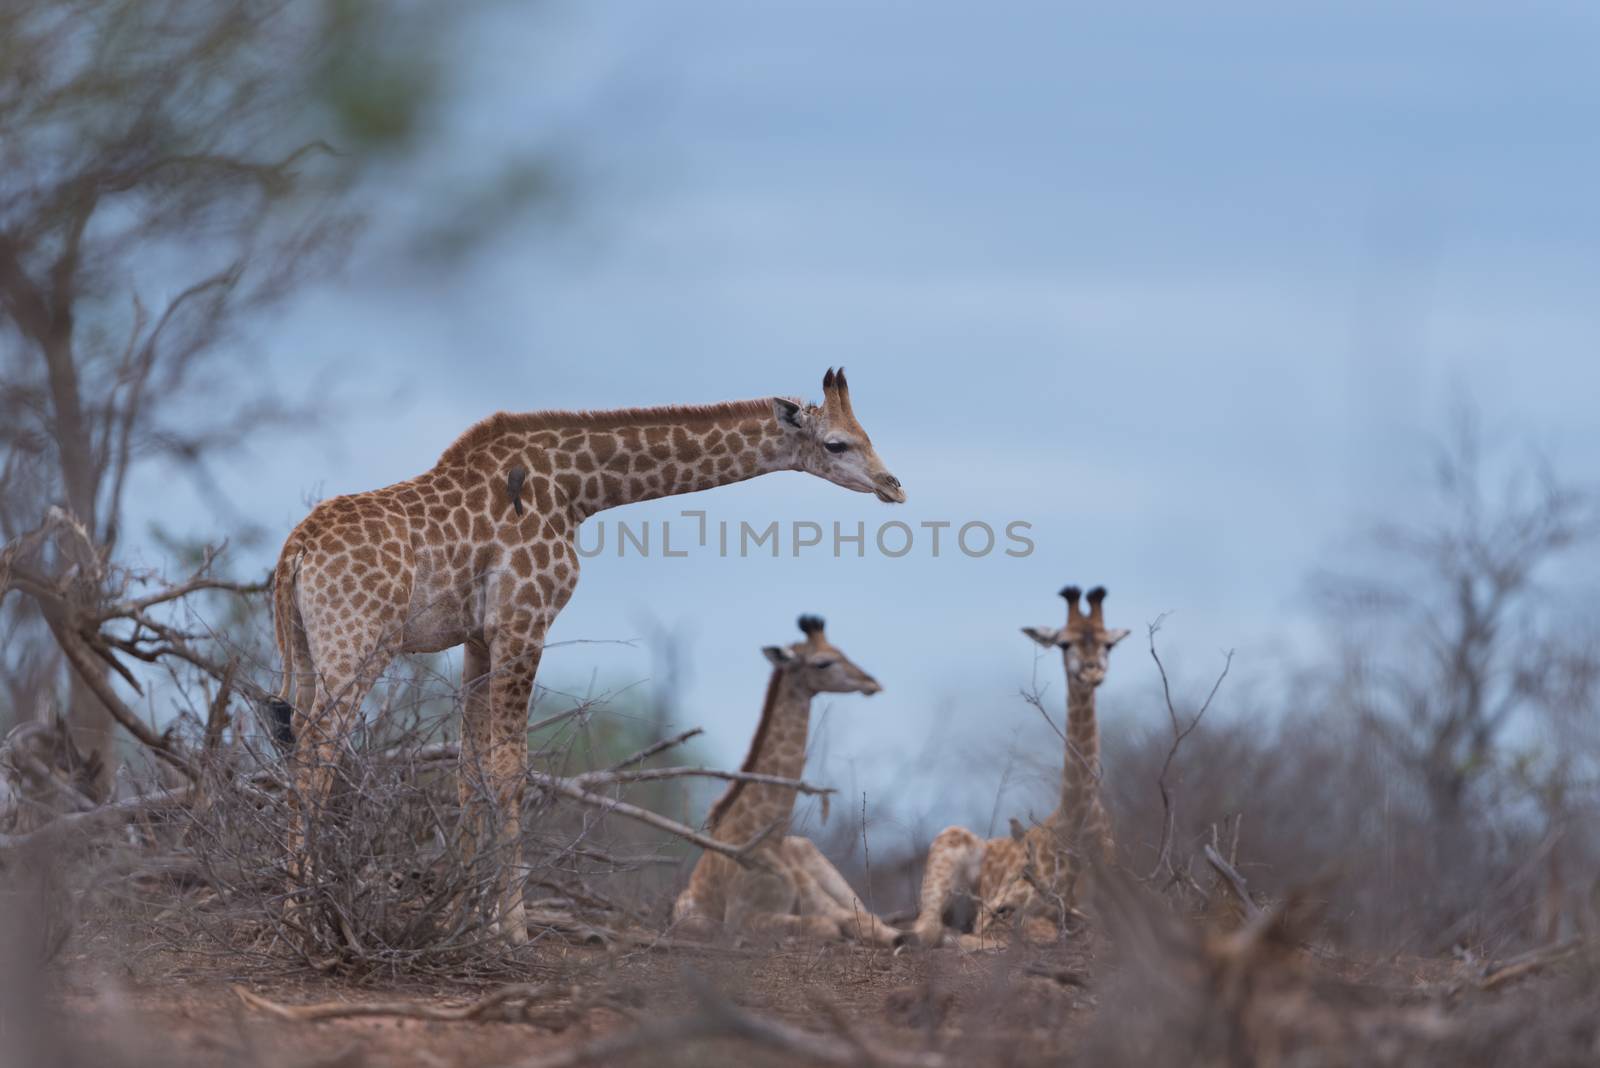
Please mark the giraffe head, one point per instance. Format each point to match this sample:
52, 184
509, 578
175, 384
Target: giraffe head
831, 444
1085, 642
818, 665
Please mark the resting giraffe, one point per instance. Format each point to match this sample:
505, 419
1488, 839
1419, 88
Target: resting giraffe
1031, 877
791, 888
480, 551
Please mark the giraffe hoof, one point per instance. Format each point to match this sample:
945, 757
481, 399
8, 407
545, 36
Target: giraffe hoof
915, 939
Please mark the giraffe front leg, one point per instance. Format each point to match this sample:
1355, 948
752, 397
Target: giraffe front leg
782, 925
514, 659
475, 847
954, 859
834, 895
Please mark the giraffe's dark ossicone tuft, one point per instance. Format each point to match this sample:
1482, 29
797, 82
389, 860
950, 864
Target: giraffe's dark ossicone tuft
1096, 595
811, 624
1071, 593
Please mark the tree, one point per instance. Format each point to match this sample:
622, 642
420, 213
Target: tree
1454, 630
167, 169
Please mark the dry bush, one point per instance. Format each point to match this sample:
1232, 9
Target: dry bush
396, 888
1178, 993
1324, 809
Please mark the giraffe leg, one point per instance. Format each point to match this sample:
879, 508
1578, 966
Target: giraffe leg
339, 691
788, 924
691, 919
770, 900
514, 662
954, 859
835, 897
472, 770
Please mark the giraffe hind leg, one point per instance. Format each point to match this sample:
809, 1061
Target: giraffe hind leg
948, 881
327, 706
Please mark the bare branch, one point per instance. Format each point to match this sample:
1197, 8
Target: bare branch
657, 747
566, 788
1179, 733
590, 779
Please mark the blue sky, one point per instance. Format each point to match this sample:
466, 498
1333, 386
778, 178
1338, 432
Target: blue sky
1189, 289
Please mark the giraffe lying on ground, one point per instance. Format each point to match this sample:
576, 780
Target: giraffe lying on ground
480, 551
1030, 880
792, 889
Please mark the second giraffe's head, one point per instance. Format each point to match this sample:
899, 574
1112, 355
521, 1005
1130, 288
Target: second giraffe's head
818, 664
832, 445
1085, 642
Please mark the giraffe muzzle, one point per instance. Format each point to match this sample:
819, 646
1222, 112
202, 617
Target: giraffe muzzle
889, 490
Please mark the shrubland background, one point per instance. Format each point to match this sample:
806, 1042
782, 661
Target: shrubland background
1278, 324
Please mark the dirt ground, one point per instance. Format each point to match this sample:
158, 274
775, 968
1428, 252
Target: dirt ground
180, 1010
1169, 993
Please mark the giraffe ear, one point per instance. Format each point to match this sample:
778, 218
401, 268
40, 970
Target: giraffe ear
790, 413
1115, 636
778, 654
1048, 637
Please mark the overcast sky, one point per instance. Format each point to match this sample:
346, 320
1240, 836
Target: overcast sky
1188, 288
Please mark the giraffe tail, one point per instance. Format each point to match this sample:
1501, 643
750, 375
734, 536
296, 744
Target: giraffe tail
288, 632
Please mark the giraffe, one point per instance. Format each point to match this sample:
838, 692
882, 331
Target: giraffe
790, 888
480, 551
1031, 877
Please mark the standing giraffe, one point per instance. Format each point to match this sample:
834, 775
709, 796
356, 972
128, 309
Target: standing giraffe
1031, 877
480, 551
790, 887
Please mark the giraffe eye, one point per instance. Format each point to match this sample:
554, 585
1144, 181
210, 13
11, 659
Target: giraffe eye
822, 665
836, 446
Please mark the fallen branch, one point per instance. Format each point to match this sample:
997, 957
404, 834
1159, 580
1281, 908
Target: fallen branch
1527, 963
522, 995
718, 1018
1233, 881
127, 807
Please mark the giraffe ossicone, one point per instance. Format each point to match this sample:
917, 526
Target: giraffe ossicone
1030, 881
787, 887
479, 551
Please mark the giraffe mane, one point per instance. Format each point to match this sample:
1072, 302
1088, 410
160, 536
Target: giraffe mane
721, 806
486, 430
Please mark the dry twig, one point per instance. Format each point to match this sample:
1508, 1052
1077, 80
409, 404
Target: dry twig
1179, 733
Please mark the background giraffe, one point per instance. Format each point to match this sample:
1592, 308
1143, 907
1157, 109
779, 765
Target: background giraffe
479, 551
1031, 877
794, 889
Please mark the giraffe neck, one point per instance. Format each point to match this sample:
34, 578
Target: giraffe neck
1080, 774
586, 462
778, 748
